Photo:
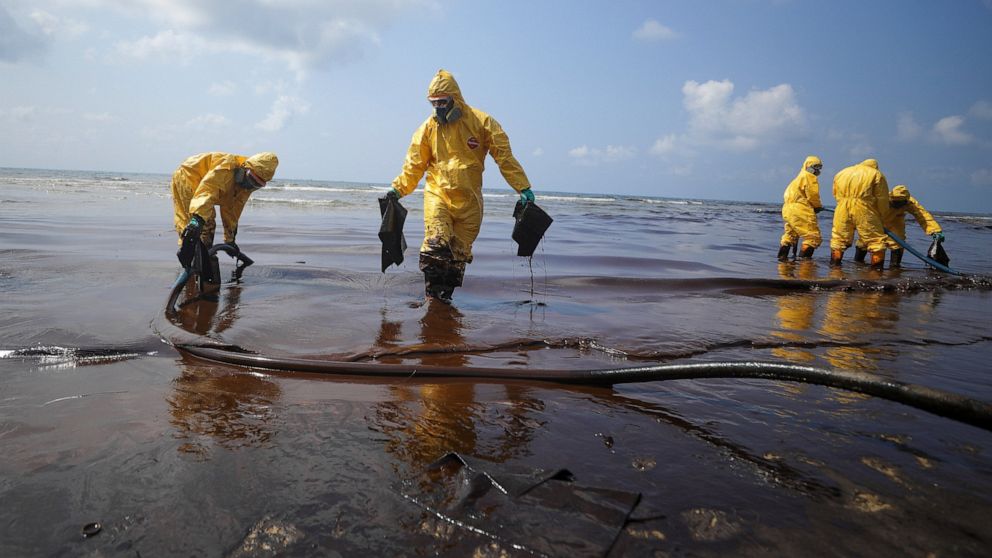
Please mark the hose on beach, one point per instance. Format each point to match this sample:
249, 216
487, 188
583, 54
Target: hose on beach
935, 401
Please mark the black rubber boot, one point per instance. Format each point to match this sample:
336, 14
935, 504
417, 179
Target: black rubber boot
783, 252
895, 260
441, 274
860, 254
807, 252
836, 256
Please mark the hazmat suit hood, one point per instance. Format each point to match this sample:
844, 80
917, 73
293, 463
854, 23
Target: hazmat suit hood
444, 84
263, 164
870, 163
900, 192
810, 161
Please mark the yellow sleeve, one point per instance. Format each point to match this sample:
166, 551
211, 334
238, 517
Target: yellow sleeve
499, 148
209, 191
923, 217
882, 195
813, 191
230, 213
418, 159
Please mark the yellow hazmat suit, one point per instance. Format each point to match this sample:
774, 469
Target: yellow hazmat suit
801, 198
862, 196
205, 180
453, 156
895, 218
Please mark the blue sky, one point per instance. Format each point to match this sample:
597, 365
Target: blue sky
705, 99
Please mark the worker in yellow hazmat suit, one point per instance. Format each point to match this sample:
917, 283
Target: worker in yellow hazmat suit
451, 147
862, 195
801, 204
901, 203
216, 179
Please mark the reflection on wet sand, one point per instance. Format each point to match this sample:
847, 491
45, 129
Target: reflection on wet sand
424, 422
231, 407
209, 317
795, 312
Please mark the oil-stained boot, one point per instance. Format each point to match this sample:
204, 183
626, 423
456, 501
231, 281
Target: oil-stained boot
807, 252
859, 254
895, 259
836, 256
878, 259
783, 252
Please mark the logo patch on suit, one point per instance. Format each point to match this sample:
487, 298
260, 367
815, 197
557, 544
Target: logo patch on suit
472, 142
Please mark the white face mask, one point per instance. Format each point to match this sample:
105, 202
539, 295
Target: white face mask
814, 170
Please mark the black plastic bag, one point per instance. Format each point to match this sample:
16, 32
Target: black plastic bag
391, 231
529, 229
937, 253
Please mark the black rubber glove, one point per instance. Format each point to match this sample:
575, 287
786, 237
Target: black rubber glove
817, 209
194, 227
393, 194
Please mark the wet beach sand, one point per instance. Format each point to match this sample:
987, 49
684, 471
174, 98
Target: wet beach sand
102, 421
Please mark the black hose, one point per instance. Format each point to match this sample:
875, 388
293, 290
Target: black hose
938, 402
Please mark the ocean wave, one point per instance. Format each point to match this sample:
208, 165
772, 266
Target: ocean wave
301, 202
329, 189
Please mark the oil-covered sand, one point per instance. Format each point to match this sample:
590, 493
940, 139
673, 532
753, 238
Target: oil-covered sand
102, 421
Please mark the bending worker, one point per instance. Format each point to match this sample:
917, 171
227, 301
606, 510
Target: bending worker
900, 203
451, 147
862, 195
802, 203
208, 179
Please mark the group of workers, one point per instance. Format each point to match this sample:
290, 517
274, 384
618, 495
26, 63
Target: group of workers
450, 146
864, 205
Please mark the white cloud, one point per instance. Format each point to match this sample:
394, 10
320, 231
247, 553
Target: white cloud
907, 129
20, 113
208, 120
741, 123
166, 45
51, 25
981, 109
663, 146
301, 35
948, 130
982, 177
225, 88
651, 31
19, 43
591, 156
283, 109
538, 152
97, 116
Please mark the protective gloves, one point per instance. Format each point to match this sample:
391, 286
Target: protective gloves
817, 209
526, 196
938, 236
194, 227
394, 194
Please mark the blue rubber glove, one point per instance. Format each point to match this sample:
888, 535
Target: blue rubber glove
938, 236
526, 196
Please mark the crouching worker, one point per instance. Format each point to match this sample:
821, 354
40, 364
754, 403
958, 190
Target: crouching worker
451, 147
801, 204
901, 203
215, 179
